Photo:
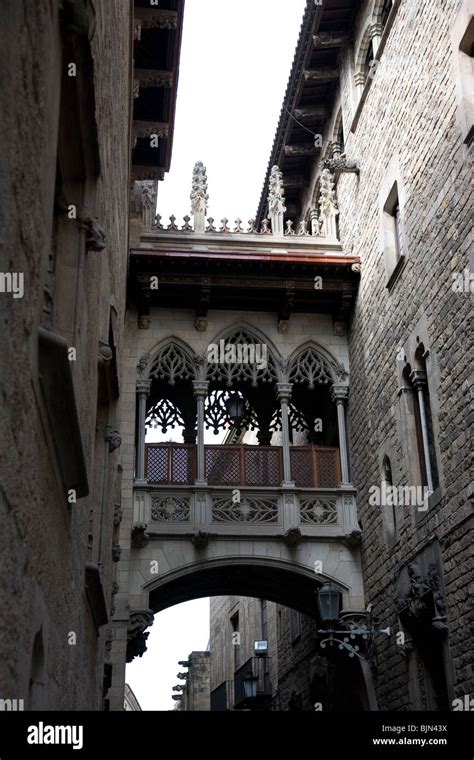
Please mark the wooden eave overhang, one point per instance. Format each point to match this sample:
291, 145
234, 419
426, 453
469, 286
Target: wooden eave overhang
310, 94
269, 274
157, 47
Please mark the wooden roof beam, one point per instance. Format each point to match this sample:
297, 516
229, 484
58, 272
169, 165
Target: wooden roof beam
315, 113
330, 39
301, 150
295, 181
321, 75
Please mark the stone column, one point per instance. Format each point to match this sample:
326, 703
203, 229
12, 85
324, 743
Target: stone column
143, 391
339, 394
418, 378
284, 394
200, 389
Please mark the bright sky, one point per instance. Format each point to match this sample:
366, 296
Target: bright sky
235, 64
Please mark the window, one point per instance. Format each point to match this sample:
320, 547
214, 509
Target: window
389, 509
367, 65
393, 233
425, 439
385, 11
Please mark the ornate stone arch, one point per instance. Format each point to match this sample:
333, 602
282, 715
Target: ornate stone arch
172, 359
243, 334
312, 364
362, 52
381, 11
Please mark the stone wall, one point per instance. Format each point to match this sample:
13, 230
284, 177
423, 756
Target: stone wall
409, 130
197, 694
47, 631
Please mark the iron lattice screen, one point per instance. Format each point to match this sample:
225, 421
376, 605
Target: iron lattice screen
327, 465
223, 466
262, 466
182, 461
157, 464
302, 467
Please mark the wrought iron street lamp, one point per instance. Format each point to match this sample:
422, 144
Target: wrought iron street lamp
235, 406
340, 632
329, 603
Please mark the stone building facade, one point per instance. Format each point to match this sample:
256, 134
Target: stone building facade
194, 694
396, 127
74, 135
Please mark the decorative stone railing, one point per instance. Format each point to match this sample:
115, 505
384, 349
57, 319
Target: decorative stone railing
321, 222
207, 510
237, 228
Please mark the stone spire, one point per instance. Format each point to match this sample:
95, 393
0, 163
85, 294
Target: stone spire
328, 204
276, 202
199, 196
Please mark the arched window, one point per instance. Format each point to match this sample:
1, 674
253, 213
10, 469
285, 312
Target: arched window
385, 11
417, 378
391, 522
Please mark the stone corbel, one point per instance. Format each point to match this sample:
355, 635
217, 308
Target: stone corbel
140, 538
144, 302
201, 539
140, 620
340, 165
113, 437
203, 306
95, 235
292, 537
342, 316
286, 310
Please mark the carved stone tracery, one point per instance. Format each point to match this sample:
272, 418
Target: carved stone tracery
172, 364
310, 367
249, 510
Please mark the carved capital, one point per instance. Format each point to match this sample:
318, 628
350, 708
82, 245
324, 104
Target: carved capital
418, 378
339, 393
116, 552
200, 388
95, 235
143, 388
284, 391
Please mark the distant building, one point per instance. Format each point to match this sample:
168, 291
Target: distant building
194, 694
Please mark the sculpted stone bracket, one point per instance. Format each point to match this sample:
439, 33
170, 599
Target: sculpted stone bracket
140, 620
425, 601
140, 537
203, 306
287, 308
341, 165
